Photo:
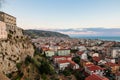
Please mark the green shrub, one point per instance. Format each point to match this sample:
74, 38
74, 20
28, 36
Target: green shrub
28, 60
67, 72
18, 65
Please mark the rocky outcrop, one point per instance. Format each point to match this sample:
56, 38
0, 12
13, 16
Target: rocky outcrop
14, 50
3, 77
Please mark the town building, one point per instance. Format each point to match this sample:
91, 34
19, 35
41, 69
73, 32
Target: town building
112, 66
95, 55
49, 53
117, 76
74, 65
115, 52
7, 24
59, 58
63, 62
8, 19
84, 62
63, 52
94, 69
96, 60
84, 56
82, 48
109, 59
102, 62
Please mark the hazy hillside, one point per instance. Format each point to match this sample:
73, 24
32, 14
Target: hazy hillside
41, 33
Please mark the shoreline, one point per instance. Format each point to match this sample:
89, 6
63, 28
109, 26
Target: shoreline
107, 38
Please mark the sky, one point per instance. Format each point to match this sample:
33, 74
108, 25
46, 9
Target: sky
65, 14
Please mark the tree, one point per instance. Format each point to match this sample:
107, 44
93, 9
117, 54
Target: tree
107, 72
90, 58
44, 77
46, 68
76, 59
18, 65
44, 55
67, 72
28, 60
79, 75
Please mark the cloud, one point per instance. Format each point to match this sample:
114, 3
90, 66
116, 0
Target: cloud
90, 31
70, 30
82, 33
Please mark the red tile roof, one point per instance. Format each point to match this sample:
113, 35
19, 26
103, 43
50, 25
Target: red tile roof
96, 59
72, 62
62, 57
96, 77
88, 65
94, 68
67, 61
45, 48
63, 61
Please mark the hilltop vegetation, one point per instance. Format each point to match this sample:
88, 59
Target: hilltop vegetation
41, 33
38, 68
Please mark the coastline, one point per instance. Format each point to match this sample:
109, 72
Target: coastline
104, 38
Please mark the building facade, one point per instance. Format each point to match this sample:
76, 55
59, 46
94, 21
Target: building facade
7, 24
49, 53
3, 32
63, 52
8, 19
115, 52
93, 69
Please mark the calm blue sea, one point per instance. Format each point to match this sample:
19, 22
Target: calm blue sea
99, 37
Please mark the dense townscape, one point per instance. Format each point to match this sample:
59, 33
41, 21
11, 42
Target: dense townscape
46, 55
95, 59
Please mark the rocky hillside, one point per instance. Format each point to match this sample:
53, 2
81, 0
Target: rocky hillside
38, 68
41, 33
14, 50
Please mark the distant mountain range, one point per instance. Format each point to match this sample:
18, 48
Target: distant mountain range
109, 32
41, 33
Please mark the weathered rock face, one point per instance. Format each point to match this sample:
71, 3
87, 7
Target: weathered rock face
14, 50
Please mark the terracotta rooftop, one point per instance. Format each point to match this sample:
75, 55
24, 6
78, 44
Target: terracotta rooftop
61, 56
88, 65
94, 68
63, 61
45, 49
72, 62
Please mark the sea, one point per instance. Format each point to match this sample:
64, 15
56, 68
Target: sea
106, 38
